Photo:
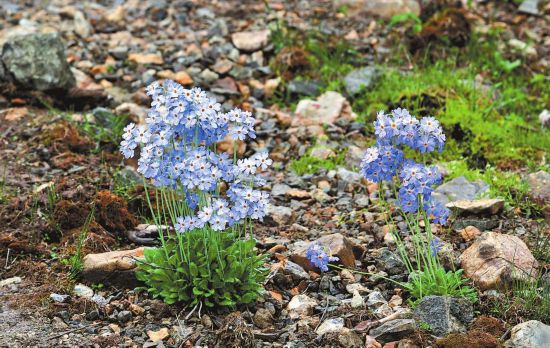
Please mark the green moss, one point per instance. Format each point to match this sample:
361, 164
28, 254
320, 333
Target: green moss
309, 164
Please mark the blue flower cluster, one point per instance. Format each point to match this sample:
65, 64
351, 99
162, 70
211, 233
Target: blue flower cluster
385, 160
318, 257
177, 151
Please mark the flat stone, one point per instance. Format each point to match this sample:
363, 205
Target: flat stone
301, 306
477, 207
327, 109
82, 290
263, 318
146, 58
37, 61
393, 330
10, 281
136, 112
251, 41
445, 314
494, 260
112, 268
304, 87
469, 233
160, 335
459, 189
279, 190
330, 325
359, 79
279, 215
529, 334
348, 338
529, 7
539, 190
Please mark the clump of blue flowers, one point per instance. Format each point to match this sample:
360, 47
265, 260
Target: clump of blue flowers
206, 197
178, 151
385, 161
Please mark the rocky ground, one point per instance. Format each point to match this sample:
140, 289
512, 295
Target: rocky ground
72, 74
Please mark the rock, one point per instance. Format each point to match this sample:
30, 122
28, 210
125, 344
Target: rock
361, 78
522, 47
544, 116
136, 310
294, 270
352, 288
539, 190
222, 66
388, 262
137, 113
375, 299
124, 316
82, 290
59, 298
160, 335
114, 268
279, 190
146, 58
336, 243
301, 306
263, 318
482, 224
304, 87
382, 8
469, 233
529, 334
37, 61
393, 330
357, 300
322, 152
348, 178
371, 342
297, 194
81, 25
445, 314
330, 325
280, 215
251, 41
10, 281
208, 76
58, 324
477, 207
348, 338
495, 259
529, 7
459, 189
327, 109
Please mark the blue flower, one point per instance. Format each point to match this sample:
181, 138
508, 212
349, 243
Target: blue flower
318, 257
435, 246
180, 131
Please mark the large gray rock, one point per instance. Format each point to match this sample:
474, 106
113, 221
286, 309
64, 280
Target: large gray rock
445, 314
486, 206
530, 7
361, 78
37, 61
116, 268
530, 334
459, 189
495, 260
393, 330
539, 189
